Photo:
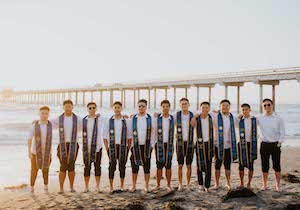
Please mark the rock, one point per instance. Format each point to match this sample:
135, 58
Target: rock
290, 178
162, 195
238, 193
135, 206
16, 187
173, 206
293, 206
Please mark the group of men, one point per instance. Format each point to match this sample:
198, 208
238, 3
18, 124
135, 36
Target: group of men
210, 134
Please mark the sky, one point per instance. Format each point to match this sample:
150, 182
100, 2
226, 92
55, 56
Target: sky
59, 43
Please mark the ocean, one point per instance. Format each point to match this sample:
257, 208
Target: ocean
16, 121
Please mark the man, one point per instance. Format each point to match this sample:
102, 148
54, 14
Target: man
117, 140
68, 124
225, 140
40, 150
204, 146
272, 135
164, 125
184, 141
142, 144
247, 146
92, 129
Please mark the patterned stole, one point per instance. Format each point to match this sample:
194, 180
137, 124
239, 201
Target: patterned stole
201, 150
64, 157
160, 141
43, 156
136, 146
180, 143
112, 142
243, 152
89, 158
233, 149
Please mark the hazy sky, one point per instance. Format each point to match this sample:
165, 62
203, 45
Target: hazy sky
49, 44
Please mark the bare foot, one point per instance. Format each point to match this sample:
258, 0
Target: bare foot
228, 187
156, 188
31, 190
180, 188
216, 187
46, 189
72, 190
201, 188
249, 186
188, 188
86, 190
132, 190
206, 190
169, 189
98, 190
146, 189
264, 188
278, 189
61, 191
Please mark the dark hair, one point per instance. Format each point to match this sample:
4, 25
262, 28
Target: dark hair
183, 99
45, 108
225, 101
267, 99
143, 101
165, 102
205, 103
67, 102
246, 105
91, 103
117, 103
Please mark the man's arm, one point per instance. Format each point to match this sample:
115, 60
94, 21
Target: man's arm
282, 131
106, 134
153, 131
129, 133
29, 142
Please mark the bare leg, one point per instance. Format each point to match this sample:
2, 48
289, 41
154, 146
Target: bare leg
111, 184
250, 175
98, 178
86, 181
188, 176
278, 177
217, 178
180, 177
242, 173
265, 181
62, 177
158, 179
227, 174
169, 176
134, 178
122, 184
71, 175
147, 178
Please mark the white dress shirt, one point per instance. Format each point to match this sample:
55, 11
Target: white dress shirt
118, 129
185, 124
248, 128
165, 127
142, 130
31, 135
205, 129
226, 129
90, 129
272, 128
68, 125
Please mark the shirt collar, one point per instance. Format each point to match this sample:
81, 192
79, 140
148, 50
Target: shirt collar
40, 122
161, 115
113, 117
250, 117
272, 115
137, 115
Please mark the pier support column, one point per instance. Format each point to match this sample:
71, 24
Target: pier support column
101, 99
154, 98
260, 97
268, 82
76, 98
198, 98
174, 102
124, 105
111, 98
92, 96
134, 99
209, 95
273, 96
139, 95
166, 94
149, 99
186, 93
238, 100
226, 92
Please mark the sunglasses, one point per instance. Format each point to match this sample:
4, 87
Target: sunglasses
90, 108
142, 106
265, 105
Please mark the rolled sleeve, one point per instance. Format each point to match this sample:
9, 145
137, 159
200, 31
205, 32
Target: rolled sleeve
282, 131
105, 129
129, 129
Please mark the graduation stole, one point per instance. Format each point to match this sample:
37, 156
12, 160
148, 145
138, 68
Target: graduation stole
43, 156
136, 146
180, 144
201, 150
233, 149
62, 142
89, 158
160, 141
112, 142
243, 152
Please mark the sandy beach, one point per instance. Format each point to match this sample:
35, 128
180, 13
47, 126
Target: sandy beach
23, 199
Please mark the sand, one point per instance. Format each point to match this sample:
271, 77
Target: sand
270, 199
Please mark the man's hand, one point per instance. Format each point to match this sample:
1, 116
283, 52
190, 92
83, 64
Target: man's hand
126, 116
98, 115
240, 116
193, 122
155, 114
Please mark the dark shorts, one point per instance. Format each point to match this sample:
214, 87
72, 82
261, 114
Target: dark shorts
162, 165
268, 150
250, 166
226, 159
146, 161
97, 166
113, 164
188, 158
67, 166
